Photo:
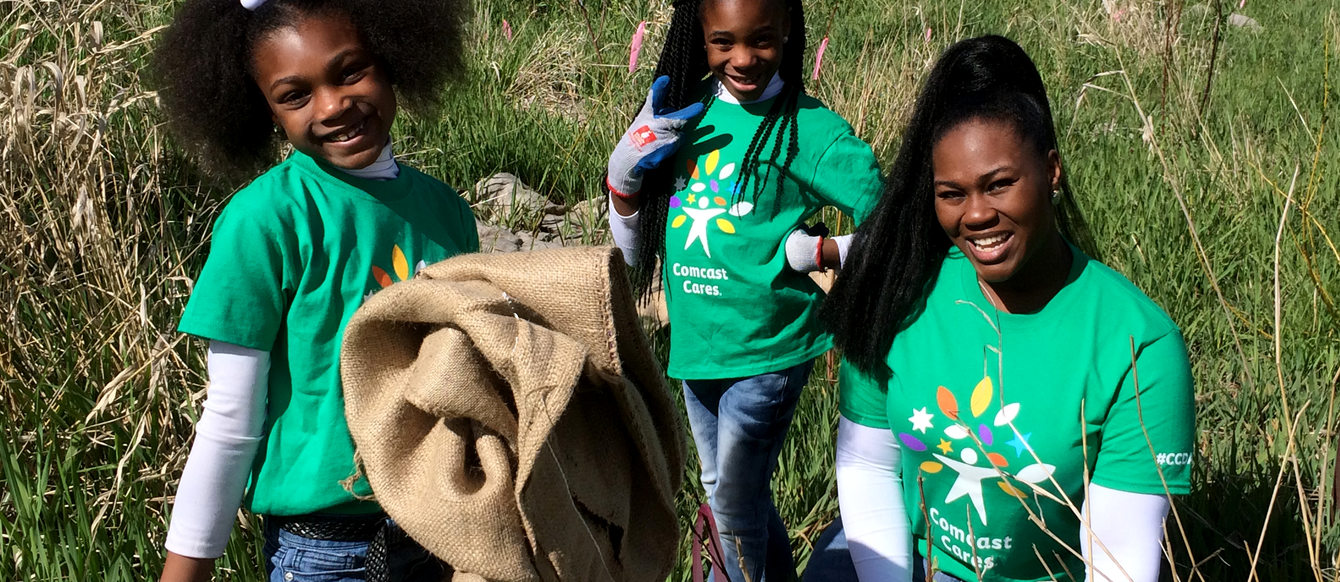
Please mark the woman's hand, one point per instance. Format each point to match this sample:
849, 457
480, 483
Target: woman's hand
655, 135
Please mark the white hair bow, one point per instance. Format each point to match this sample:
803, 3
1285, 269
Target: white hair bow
252, 5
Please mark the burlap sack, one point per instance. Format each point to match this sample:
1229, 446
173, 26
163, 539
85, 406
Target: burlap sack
510, 417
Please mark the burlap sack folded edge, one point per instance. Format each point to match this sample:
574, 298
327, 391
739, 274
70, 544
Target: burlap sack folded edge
551, 326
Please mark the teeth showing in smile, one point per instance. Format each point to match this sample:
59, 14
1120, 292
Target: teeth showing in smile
990, 242
348, 135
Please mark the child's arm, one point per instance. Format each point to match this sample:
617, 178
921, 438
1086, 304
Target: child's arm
806, 253
212, 484
179, 568
623, 229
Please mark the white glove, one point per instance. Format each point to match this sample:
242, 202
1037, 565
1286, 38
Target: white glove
805, 248
805, 251
654, 136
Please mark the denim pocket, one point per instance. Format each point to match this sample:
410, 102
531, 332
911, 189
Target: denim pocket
299, 559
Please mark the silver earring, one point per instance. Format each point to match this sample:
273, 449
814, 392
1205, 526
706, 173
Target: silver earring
1056, 196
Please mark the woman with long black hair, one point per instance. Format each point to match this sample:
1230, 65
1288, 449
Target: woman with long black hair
1012, 409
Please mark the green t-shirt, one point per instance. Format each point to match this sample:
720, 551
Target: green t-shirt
736, 309
986, 405
292, 256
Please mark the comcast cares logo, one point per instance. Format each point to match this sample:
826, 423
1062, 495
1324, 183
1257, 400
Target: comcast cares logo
399, 266
971, 447
707, 198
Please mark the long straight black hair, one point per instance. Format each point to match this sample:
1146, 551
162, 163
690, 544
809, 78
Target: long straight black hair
897, 251
684, 60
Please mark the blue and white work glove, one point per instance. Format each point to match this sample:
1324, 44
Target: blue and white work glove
654, 136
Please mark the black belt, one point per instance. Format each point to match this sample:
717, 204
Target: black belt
335, 529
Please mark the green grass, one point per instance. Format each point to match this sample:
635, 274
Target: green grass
105, 222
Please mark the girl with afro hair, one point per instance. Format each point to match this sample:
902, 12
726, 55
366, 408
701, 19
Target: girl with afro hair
293, 254
727, 158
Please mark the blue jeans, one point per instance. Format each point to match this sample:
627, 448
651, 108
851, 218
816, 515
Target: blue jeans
290, 557
831, 560
739, 426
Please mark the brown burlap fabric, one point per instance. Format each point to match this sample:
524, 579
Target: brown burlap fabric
510, 416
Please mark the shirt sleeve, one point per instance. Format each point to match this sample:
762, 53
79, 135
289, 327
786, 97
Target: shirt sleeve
1148, 436
468, 226
861, 398
1122, 535
846, 176
870, 495
226, 439
242, 292
623, 229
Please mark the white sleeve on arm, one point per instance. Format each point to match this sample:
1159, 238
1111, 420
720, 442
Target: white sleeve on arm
623, 229
1124, 529
870, 495
843, 242
226, 439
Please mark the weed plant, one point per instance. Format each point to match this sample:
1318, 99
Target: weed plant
1203, 152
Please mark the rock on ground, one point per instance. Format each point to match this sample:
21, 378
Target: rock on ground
512, 217
1244, 22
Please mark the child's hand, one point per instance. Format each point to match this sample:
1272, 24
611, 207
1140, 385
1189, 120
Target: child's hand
179, 568
809, 249
804, 251
654, 136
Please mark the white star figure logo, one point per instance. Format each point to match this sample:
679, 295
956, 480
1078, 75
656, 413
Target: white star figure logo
699, 229
921, 420
680, 183
969, 483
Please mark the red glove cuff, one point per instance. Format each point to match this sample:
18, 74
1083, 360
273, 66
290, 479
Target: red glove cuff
819, 255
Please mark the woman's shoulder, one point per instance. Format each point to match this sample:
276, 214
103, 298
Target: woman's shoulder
1120, 300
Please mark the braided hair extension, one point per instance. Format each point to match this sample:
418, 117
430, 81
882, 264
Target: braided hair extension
684, 60
897, 252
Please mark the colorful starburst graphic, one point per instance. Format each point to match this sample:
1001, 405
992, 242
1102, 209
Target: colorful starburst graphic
977, 459
704, 198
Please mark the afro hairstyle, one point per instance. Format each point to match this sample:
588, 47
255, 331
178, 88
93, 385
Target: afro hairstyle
202, 67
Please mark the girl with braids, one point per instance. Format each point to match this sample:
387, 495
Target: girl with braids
292, 255
707, 184
1014, 409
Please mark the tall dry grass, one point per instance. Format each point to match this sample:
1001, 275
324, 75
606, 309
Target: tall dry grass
1204, 155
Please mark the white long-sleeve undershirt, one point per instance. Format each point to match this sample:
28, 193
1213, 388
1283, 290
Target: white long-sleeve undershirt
226, 439
870, 497
1125, 528
623, 229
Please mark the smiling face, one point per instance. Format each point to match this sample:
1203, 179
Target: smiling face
993, 200
744, 43
326, 90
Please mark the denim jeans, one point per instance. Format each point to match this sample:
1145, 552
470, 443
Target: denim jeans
831, 560
290, 557
739, 426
